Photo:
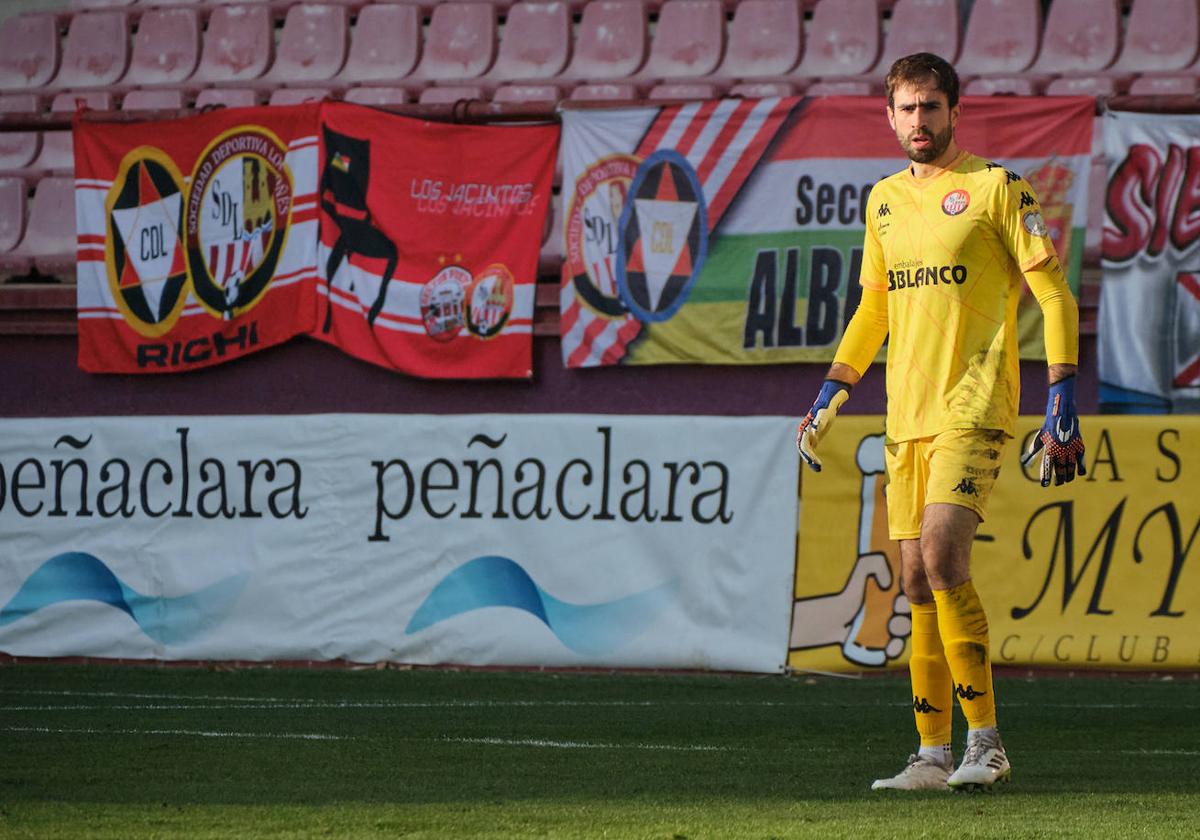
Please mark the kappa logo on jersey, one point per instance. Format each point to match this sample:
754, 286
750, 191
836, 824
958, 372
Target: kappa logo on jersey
884, 210
147, 271
967, 487
443, 302
491, 301
238, 211
1026, 201
923, 706
968, 693
663, 237
1035, 224
955, 202
591, 232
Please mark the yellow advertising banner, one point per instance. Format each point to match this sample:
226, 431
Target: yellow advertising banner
1101, 573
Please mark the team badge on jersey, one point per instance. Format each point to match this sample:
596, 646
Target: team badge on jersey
955, 202
491, 301
238, 210
591, 232
442, 302
1035, 224
663, 237
147, 271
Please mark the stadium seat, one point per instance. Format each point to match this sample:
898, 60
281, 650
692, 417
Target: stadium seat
166, 48
312, 45
49, 240
100, 4
385, 45
378, 96
1082, 86
58, 151
1160, 36
1001, 86
29, 51
842, 40
527, 93
156, 99
18, 149
920, 26
298, 95
684, 90
450, 94
226, 98
96, 50
460, 42
536, 42
238, 45
763, 90
688, 40
1001, 38
12, 212
604, 92
611, 40
1080, 37
1177, 84
842, 87
766, 38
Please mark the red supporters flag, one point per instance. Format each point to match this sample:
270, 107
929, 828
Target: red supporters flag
197, 237
430, 235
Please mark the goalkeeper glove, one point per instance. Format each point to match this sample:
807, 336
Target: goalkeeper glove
1059, 440
818, 420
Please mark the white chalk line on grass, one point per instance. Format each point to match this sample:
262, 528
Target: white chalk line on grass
588, 745
195, 733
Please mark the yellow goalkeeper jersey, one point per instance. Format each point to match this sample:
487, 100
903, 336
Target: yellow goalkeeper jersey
949, 251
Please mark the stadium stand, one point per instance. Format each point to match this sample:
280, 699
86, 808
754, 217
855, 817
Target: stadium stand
19, 149
312, 45
1079, 37
378, 95
673, 91
1001, 38
385, 46
450, 94
155, 99
49, 240
217, 97
536, 43
297, 95
58, 153
604, 92
460, 42
920, 26
239, 45
611, 41
29, 51
96, 51
688, 41
12, 212
1160, 35
166, 48
843, 39
528, 93
766, 38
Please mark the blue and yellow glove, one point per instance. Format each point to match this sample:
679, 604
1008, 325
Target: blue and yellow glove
819, 419
1059, 440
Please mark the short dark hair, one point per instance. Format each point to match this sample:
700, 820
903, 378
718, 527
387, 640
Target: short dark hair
918, 68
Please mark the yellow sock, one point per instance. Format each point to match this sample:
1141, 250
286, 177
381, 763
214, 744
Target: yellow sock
933, 690
964, 631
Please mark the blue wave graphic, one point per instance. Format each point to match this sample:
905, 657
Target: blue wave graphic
78, 576
492, 581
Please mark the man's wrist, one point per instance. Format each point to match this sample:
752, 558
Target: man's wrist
1058, 372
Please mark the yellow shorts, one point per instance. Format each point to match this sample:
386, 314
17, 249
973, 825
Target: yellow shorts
956, 467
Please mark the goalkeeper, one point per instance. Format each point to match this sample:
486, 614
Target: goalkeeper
948, 241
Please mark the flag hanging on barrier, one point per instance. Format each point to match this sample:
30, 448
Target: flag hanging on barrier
196, 240
731, 232
430, 234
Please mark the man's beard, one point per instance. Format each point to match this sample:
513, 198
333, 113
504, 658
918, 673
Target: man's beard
938, 144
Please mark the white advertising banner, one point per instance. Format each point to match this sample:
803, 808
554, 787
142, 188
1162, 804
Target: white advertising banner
558, 540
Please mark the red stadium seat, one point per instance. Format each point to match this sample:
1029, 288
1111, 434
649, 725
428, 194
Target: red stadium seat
842, 87
1080, 37
763, 90
29, 51
684, 90
1001, 38
18, 149
58, 151
385, 45
166, 48
766, 38
460, 42
536, 42
604, 92
1082, 86
611, 40
100, 4
527, 93
843, 39
1178, 84
298, 95
226, 97
689, 40
312, 45
238, 45
450, 94
156, 99
49, 240
1160, 36
12, 212
920, 26
1001, 86
96, 50
378, 96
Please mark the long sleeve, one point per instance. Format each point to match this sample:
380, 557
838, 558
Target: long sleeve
866, 331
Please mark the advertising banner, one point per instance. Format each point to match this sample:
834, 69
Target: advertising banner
196, 239
557, 540
430, 234
774, 276
1101, 573
1149, 327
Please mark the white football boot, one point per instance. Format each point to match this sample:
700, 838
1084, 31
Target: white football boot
984, 764
920, 773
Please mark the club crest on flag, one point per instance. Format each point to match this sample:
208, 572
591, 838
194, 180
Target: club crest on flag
238, 210
591, 232
443, 300
145, 262
662, 236
491, 301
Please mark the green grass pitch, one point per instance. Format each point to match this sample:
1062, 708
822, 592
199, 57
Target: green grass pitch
173, 752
